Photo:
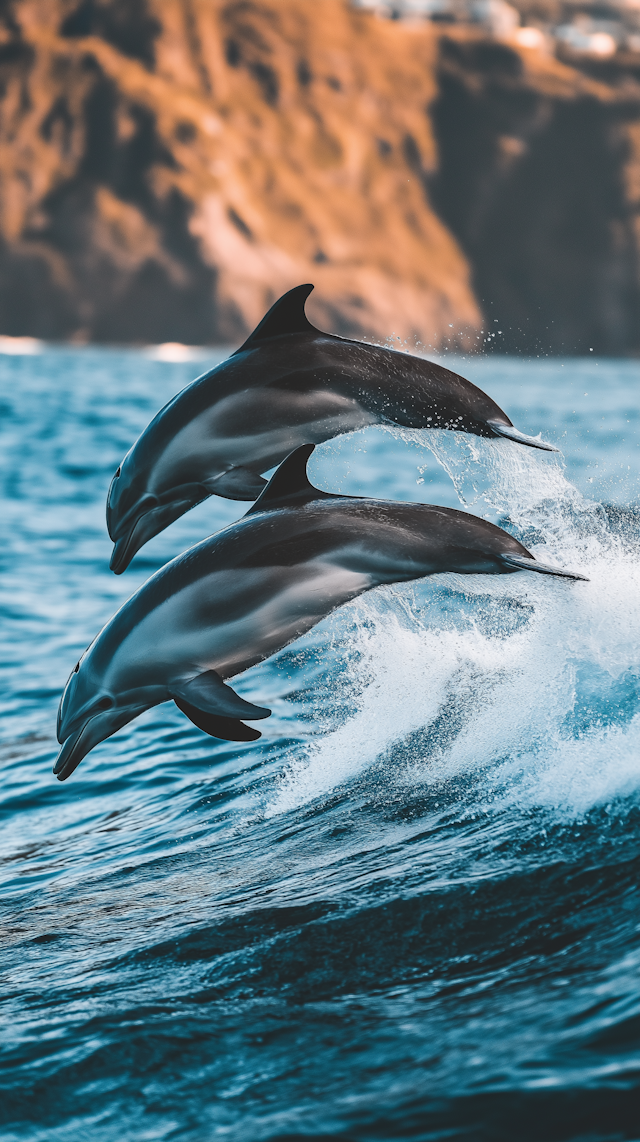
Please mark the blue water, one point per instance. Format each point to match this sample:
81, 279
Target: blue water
413, 909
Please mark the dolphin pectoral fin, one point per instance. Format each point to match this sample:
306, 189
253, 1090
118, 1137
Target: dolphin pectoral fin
228, 729
208, 693
511, 433
286, 315
237, 484
521, 563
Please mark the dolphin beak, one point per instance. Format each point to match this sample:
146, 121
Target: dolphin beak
74, 749
144, 529
94, 730
511, 433
123, 552
151, 521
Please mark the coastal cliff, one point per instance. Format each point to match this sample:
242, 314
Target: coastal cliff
167, 169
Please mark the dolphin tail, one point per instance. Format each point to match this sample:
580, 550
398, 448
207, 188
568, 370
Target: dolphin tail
524, 563
511, 433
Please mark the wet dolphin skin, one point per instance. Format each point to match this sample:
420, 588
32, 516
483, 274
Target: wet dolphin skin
243, 594
287, 385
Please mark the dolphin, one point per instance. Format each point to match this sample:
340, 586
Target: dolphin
241, 595
288, 384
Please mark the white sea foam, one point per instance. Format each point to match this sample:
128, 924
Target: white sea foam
499, 701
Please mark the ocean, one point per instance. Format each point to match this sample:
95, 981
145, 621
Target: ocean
412, 910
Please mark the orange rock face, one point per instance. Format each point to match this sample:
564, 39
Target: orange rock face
169, 168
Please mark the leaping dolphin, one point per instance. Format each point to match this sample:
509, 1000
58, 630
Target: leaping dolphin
287, 385
243, 594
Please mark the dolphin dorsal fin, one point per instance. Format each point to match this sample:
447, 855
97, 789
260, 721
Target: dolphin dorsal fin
290, 484
286, 315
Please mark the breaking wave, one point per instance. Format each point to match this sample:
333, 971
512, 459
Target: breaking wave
530, 682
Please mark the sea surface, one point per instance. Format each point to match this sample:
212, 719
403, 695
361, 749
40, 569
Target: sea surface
412, 910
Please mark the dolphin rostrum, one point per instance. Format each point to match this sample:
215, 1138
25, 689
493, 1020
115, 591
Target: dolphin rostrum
287, 385
243, 594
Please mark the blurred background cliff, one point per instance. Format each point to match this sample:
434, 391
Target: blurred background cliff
449, 172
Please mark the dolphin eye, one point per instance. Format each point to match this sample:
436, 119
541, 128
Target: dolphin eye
117, 474
76, 668
105, 703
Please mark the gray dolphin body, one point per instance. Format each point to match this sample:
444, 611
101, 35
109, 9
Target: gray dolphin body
243, 594
289, 384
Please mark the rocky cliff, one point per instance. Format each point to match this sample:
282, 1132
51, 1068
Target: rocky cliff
169, 167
